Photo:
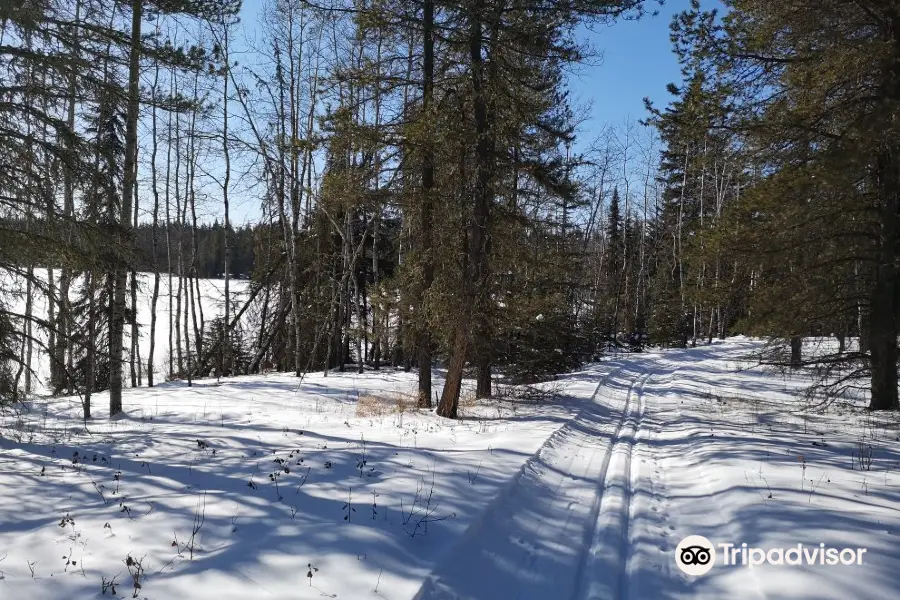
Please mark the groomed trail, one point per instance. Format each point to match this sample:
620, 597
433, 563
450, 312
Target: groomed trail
678, 443
561, 529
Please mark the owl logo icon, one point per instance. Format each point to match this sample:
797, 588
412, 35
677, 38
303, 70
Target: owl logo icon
695, 555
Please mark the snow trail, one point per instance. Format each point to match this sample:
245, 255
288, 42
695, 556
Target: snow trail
603, 572
678, 443
549, 534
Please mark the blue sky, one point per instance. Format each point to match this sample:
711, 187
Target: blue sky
637, 62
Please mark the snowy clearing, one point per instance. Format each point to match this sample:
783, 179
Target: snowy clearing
209, 304
233, 490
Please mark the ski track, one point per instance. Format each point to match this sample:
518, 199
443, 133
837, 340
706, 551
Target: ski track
562, 528
602, 572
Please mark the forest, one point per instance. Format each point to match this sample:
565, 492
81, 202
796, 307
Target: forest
403, 184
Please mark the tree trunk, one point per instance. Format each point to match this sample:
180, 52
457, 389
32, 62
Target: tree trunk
184, 284
475, 294
64, 349
90, 373
796, 352
861, 320
359, 324
172, 325
695, 326
882, 324
449, 404
193, 281
155, 236
225, 358
423, 341
29, 330
483, 385
117, 317
135, 358
55, 374
189, 355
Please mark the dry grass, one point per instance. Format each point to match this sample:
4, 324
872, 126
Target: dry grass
467, 402
529, 394
467, 399
370, 405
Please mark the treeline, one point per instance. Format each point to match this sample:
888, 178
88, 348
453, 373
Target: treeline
412, 165
174, 240
210, 257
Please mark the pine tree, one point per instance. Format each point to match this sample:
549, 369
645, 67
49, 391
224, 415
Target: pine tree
615, 267
815, 94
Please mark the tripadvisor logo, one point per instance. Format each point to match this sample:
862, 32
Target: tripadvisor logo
696, 555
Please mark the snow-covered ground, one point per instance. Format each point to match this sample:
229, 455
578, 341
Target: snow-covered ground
269, 487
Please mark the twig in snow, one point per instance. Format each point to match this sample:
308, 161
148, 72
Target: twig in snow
136, 570
100, 491
422, 511
815, 486
347, 507
377, 583
474, 476
361, 463
303, 479
107, 585
199, 519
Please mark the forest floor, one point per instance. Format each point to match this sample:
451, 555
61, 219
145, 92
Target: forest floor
337, 487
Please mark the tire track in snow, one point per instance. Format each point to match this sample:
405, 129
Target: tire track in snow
555, 440
522, 545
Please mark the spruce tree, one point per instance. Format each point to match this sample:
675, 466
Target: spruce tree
815, 95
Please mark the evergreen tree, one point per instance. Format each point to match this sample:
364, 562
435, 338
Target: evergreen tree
815, 95
615, 267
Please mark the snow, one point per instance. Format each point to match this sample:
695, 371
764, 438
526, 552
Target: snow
581, 497
253, 544
211, 302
